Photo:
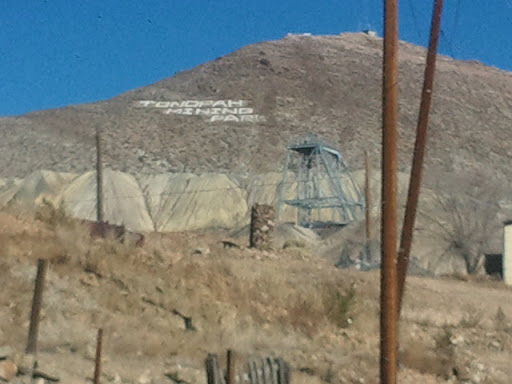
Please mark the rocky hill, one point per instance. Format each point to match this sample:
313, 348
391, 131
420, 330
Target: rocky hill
182, 142
237, 114
190, 155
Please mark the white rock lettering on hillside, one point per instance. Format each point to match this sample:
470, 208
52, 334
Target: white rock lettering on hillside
214, 110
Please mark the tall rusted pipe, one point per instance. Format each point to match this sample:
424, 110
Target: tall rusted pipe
419, 152
389, 293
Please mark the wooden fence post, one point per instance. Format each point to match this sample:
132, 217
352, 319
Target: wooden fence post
99, 180
213, 372
97, 365
36, 307
230, 372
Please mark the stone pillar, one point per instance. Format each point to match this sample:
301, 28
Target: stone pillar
262, 226
507, 252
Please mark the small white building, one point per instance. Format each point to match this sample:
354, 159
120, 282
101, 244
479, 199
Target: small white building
507, 252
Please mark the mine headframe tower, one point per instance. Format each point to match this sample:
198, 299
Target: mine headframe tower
323, 183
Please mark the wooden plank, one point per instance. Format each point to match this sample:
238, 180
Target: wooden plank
218, 373
284, 372
274, 370
210, 369
266, 372
253, 372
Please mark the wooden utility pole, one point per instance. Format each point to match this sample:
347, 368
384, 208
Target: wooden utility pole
419, 151
389, 294
37, 302
368, 206
99, 178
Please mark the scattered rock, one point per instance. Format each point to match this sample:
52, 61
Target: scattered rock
144, 378
496, 345
202, 251
230, 244
116, 378
457, 340
89, 279
8, 370
5, 352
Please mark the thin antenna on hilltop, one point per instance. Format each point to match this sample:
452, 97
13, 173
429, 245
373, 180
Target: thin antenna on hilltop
414, 19
366, 26
451, 40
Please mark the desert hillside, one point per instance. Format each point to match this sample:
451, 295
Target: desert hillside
288, 303
187, 157
237, 114
196, 150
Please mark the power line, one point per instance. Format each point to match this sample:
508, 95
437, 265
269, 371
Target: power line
191, 192
414, 19
456, 20
450, 41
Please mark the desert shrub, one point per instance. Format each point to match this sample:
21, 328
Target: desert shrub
471, 318
294, 243
94, 255
339, 305
501, 320
303, 316
467, 224
439, 361
48, 213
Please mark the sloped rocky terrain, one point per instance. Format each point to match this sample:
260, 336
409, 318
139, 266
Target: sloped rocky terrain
288, 302
327, 85
175, 147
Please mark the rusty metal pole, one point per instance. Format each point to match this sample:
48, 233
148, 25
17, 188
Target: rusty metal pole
389, 293
97, 365
99, 178
37, 302
368, 205
419, 151
230, 373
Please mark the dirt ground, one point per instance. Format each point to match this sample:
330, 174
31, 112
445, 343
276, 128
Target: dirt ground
289, 303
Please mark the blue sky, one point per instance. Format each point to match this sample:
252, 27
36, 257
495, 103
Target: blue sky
60, 52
